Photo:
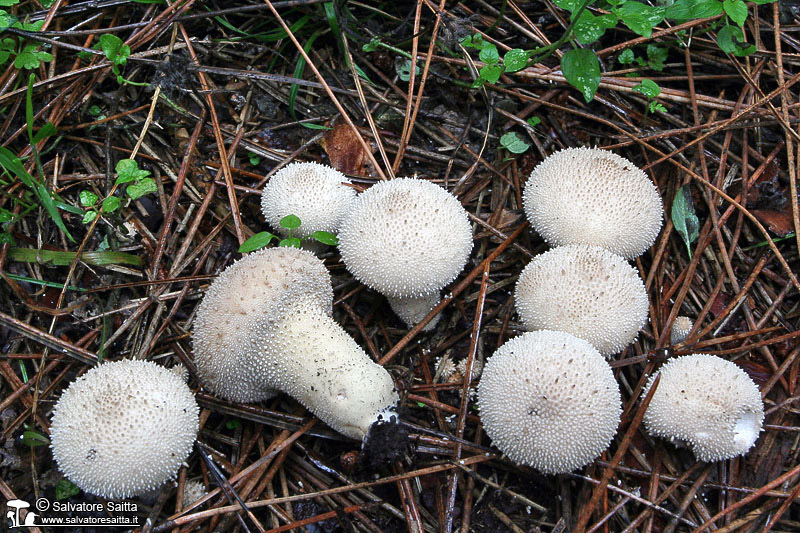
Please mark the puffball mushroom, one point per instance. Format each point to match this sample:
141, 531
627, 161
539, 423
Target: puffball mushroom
406, 238
592, 196
265, 325
707, 403
313, 192
680, 329
123, 428
586, 291
549, 400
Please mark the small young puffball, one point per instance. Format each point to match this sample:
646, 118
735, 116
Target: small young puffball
707, 403
406, 238
123, 428
592, 196
264, 326
314, 193
549, 400
193, 491
680, 329
586, 291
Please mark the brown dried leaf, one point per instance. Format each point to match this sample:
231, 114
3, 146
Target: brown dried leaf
344, 150
779, 222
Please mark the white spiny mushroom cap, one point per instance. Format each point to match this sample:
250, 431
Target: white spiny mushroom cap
405, 238
592, 196
254, 291
586, 291
680, 329
708, 403
312, 192
123, 428
549, 400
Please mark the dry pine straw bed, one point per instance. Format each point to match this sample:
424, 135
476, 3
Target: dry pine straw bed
214, 125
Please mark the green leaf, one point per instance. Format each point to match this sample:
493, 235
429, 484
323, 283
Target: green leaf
66, 489
290, 222
372, 45
569, 5
649, 88
641, 18
514, 143
490, 73
731, 40
89, 216
290, 242
8, 3
233, 423
128, 170
683, 217
656, 106
581, 68
590, 28
87, 198
59, 258
34, 439
515, 59
325, 238
7, 238
656, 57
736, 10
533, 121
489, 53
6, 19
111, 204
684, 10
626, 57
26, 60
256, 242
254, 160
403, 69
115, 49
48, 130
142, 187
473, 41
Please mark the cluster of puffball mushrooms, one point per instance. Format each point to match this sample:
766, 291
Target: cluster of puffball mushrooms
547, 398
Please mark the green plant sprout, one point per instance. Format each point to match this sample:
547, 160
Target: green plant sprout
128, 171
117, 52
289, 223
581, 66
651, 90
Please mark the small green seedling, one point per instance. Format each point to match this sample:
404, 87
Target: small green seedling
651, 90
128, 171
117, 52
289, 223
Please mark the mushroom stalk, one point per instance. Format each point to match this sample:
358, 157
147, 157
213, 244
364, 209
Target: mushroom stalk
412, 310
315, 361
